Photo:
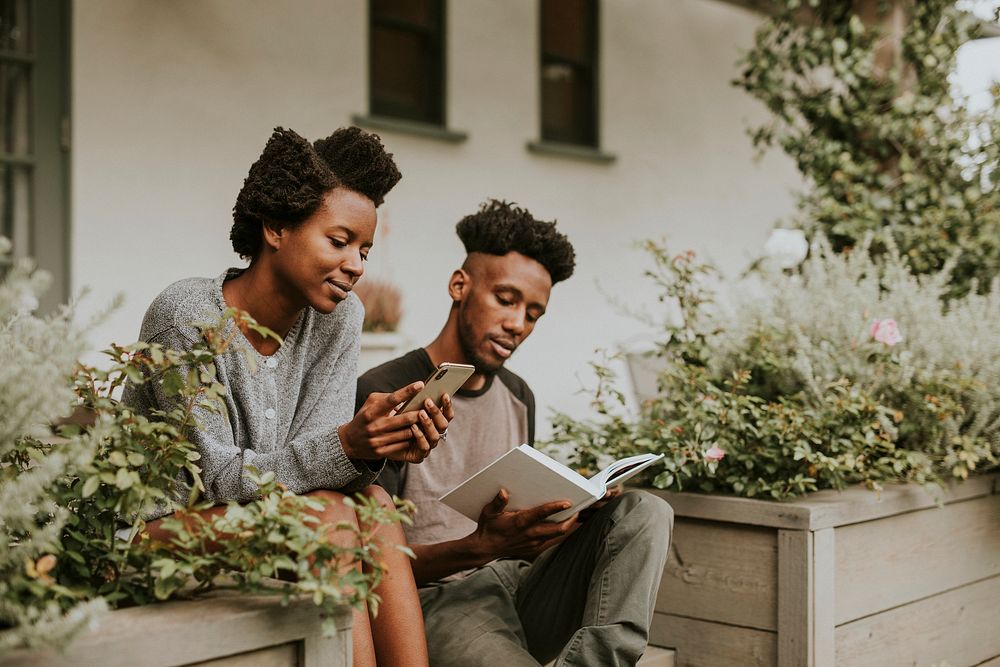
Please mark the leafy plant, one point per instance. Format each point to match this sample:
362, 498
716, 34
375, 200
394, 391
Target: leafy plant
862, 102
62, 497
798, 388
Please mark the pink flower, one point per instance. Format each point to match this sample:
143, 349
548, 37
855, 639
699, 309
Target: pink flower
885, 331
715, 453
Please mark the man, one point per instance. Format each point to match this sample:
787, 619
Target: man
514, 589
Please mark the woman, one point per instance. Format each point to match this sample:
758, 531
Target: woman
305, 218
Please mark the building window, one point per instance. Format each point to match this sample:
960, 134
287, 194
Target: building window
406, 60
569, 38
34, 126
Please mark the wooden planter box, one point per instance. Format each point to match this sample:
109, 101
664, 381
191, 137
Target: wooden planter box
844, 579
220, 630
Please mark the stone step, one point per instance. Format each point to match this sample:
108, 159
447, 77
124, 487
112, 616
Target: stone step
653, 657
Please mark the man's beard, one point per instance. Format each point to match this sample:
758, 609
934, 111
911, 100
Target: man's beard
482, 365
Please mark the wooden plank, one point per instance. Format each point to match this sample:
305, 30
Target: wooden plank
136, 636
736, 510
824, 587
721, 572
285, 655
959, 626
795, 598
886, 563
320, 651
826, 509
832, 508
702, 643
655, 656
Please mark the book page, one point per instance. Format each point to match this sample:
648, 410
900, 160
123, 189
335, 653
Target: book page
530, 477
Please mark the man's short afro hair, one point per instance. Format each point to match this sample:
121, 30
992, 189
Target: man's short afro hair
289, 181
360, 161
500, 227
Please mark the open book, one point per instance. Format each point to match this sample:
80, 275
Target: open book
532, 479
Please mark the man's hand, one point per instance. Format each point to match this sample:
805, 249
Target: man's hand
521, 534
377, 432
613, 492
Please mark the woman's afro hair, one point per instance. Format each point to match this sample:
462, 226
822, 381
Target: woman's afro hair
500, 227
360, 161
288, 182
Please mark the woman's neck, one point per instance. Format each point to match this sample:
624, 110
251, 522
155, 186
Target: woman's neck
255, 292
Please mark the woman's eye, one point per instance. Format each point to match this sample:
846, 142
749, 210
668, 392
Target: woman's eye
337, 243
504, 302
364, 257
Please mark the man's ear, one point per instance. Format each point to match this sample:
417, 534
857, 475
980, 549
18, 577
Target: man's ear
459, 285
273, 234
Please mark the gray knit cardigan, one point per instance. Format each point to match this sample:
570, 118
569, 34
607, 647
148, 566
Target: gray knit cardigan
282, 415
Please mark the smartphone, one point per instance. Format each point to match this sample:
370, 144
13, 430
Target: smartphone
446, 379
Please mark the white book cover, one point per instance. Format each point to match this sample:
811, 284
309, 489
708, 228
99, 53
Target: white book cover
532, 479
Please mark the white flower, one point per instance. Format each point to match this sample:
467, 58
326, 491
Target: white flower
27, 303
786, 248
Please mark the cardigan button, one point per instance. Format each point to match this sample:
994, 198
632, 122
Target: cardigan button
270, 413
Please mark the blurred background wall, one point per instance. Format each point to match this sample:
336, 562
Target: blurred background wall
172, 101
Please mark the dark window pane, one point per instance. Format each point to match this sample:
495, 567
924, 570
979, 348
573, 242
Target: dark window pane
15, 207
403, 75
565, 29
15, 27
567, 105
15, 108
419, 12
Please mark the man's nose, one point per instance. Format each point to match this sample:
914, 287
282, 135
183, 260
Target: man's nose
514, 324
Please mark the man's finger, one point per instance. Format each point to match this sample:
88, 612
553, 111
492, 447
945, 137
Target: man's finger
499, 502
447, 407
536, 514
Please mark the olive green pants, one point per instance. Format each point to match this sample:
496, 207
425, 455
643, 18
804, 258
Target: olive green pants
588, 601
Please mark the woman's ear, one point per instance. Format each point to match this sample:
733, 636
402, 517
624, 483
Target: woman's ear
273, 234
459, 285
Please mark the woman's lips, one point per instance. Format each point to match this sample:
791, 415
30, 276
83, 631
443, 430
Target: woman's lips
340, 289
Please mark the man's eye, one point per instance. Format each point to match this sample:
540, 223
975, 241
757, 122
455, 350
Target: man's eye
504, 302
364, 257
337, 243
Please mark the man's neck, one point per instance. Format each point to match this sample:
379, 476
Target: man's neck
255, 292
448, 347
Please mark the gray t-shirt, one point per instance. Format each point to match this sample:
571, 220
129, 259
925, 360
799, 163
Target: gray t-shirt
488, 423
282, 411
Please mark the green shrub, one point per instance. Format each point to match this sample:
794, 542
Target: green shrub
63, 497
872, 123
794, 388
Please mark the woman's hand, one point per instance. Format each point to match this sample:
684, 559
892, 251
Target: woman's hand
377, 432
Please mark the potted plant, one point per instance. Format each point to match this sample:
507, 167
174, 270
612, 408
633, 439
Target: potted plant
380, 339
64, 494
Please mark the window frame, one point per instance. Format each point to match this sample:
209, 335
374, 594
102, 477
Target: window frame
593, 55
438, 71
48, 159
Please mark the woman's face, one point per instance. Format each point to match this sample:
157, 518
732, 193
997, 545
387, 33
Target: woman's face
318, 262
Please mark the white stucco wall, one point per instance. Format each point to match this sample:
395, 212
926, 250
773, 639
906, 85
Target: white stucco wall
174, 100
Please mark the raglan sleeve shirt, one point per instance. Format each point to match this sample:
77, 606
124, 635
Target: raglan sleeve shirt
282, 411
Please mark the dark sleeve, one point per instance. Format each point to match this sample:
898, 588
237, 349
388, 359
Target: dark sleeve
388, 377
523, 393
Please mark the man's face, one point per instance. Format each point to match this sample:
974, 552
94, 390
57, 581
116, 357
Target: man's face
505, 298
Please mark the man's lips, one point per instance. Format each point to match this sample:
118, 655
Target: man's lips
502, 348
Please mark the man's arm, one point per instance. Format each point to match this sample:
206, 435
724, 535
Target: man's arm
500, 533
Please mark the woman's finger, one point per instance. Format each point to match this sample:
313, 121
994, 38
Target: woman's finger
404, 435
447, 407
429, 429
439, 420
